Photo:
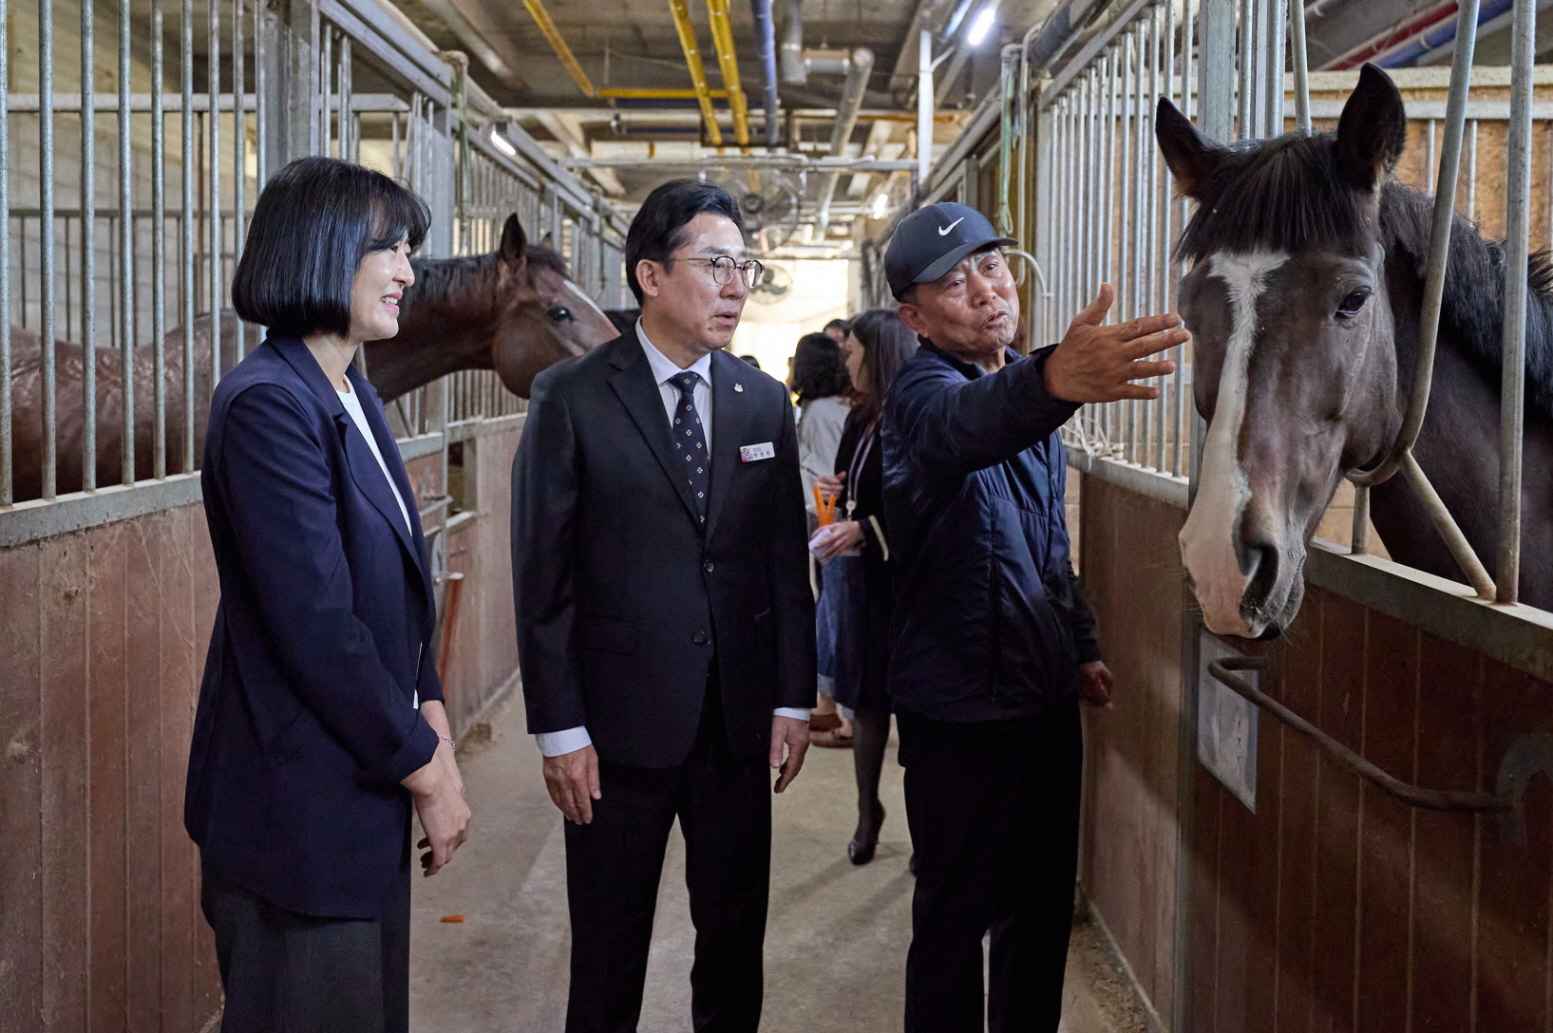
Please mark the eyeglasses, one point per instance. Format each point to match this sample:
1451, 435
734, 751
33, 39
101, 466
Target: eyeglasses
723, 266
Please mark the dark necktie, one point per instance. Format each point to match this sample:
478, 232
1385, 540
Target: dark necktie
690, 441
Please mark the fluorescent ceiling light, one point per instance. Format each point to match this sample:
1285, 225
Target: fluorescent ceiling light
501, 143
982, 25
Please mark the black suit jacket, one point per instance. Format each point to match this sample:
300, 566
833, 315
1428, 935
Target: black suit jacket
305, 722
624, 602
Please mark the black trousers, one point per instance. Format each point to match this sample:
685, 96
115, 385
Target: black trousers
994, 814
290, 973
613, 867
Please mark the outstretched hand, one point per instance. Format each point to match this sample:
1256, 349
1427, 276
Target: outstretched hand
1098, 363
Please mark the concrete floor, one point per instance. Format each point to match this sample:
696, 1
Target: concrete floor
835, 943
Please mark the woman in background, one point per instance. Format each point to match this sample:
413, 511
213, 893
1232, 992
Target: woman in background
821, 384
857, 554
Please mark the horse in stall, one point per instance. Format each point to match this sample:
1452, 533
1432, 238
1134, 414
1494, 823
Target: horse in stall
1304, 299
514, 310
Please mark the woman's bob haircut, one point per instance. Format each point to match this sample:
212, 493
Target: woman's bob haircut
314, 223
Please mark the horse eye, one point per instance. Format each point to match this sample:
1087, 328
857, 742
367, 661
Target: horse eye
559, 314
1353, 302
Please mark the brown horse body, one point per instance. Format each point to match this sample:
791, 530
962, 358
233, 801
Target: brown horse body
513, 310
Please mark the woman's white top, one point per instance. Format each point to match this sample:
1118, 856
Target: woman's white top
819, 436
359, 417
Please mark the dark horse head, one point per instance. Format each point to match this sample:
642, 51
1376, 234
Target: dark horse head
1303, 299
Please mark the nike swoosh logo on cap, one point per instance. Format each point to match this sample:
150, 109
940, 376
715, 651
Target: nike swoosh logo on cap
944, 231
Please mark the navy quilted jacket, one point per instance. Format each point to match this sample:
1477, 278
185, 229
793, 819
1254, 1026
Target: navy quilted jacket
989, 621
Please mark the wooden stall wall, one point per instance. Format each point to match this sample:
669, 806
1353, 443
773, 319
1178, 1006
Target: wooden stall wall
1332, 907
104, 634
1132, 577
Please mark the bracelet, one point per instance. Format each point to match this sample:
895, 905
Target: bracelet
447, 739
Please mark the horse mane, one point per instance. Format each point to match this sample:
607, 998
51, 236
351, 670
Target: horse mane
1289, 195
447, 280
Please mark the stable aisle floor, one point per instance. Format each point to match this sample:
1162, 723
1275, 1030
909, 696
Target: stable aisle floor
835, 943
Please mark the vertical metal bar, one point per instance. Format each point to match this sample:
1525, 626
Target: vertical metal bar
46, 235
1301, 53
1159, 218
1247, 67
186, 291
1431, 170
1512, 395
347, 138
7, 454
393, 129
1272, 53
239, 157
1113, 61
88, 250
1259, 13
1187, 90
213, 176
261, 101
126, 250
1126, 173
158, 247
1360, 534
1139, 242
325, 90
1472, 171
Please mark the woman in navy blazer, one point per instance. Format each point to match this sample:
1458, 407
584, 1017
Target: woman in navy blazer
320, 722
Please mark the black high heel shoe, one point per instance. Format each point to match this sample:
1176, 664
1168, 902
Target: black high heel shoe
860, 850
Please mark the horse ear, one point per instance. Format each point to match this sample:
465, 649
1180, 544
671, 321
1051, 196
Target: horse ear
514, 242
1372, 132
1191, 156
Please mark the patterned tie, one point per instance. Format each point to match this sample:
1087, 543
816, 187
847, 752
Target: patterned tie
690, 441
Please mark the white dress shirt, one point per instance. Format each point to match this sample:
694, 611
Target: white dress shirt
569, 740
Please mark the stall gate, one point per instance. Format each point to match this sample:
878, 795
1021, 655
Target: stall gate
134, 140
1378, 859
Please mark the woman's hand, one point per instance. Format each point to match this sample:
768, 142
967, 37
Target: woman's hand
438, 793
830, 483
436, 715
845, 536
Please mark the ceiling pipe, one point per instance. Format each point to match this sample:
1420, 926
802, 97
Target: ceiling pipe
536, 10
692, 51
794, 72
1390, 38
728, 65
1439, 35
852, 92
765, 41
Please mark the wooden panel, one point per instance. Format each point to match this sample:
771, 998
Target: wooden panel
107, 692
21, 913
145, 541
1204, 915
1300, 686
1342, 703
1390, 716
207, 594
1512, 920
179, 900
1449, 744
1259, 892
65, 885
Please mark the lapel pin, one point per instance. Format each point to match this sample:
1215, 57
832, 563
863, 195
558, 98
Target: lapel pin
739, 388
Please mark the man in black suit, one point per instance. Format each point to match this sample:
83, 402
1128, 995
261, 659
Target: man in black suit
665, 623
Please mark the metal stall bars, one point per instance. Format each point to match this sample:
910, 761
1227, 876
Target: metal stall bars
1107, 211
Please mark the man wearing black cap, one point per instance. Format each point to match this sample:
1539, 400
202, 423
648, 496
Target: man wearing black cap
994, 646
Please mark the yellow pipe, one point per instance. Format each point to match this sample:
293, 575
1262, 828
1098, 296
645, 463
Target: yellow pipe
649, 93
687, 43
728, 64
541, 17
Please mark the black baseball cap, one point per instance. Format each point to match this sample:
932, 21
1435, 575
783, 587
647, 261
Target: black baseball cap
933, 240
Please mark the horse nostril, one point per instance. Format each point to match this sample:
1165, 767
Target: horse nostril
1260, 565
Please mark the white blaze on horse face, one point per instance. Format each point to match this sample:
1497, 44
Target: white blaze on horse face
583, 297
1210, 539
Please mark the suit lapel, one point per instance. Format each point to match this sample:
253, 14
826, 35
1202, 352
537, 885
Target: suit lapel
382, 499
633, 383
729, 416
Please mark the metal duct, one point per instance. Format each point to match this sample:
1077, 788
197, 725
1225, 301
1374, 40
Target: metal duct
721, 19
794, 72
846, 120
765, 41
